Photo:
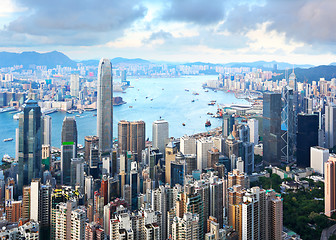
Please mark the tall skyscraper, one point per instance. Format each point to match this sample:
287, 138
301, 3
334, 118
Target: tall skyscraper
330, 126
272, 128
131, 137
330, 186
307, 137
203, 146
46, 130
254, 130
74, 85
30, 143
105, 106
160, 134
68, 148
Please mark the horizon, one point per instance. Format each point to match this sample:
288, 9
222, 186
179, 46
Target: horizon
190, 31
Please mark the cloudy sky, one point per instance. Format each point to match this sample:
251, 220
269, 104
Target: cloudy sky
218, 31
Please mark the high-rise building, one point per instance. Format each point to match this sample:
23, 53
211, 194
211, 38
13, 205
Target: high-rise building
77, 173
187, 145
30, 144
68, 148
228, 122
74, 85
272, 128
318, 157
171, 151
186, 228
203, 146
131, 137
88, 142
46, 130
254, 130
25, 213
160, 134
307, 137
330, 126
330, 186
105, 106
274, 216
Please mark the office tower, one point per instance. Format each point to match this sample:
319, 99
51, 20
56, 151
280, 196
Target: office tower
77, 173
330, 186
177, 171
35, 203
203, 146
191, 163
94, 161
216, 200
318, 157
25, 212
123, 75
213, 157
288, 124
254, 130
160, 203
247, 155
88, 142
134, 186
171, 151
160, 134
89, 187
274, 216
232, 147
74, 85
330, 126
30, 144
131, 137
68, 148
272, 128
186, 227
308, 105
188, 145
219, 143
105, 106
46, 130
228, 122
307, 136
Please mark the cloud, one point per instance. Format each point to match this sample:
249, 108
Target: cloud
75, 22
160, 35
195, 11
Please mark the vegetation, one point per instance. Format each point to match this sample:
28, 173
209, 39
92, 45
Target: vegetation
303, 211
273, 182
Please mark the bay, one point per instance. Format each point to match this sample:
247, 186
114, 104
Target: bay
166, 98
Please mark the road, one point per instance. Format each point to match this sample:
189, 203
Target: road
326, 233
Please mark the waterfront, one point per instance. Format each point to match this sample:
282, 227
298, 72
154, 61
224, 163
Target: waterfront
169, 101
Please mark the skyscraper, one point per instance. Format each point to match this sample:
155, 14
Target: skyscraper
272, 128
46, 130
330, 126
160, 134
68, 148
30, 143
307, 136
254, 132
74, 85
330, 186
105, 106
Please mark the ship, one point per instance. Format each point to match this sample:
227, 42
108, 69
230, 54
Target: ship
195, 93
211, 103
49, 111
8, 139
209, 113
206, 90
183, 124
7, 159
130, 106
16, 116
193, 100
207, 123
9, 109
187, 90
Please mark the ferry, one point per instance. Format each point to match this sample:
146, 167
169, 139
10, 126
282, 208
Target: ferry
48, 111
206, 90
195, 93
187, 90
130, 106
211, 103
9, 109
6, 158
8, 139
207, 123
16, 116
77, 115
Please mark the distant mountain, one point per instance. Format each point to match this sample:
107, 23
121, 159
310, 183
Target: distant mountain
118, 60
49, 59
311, 74
267, 65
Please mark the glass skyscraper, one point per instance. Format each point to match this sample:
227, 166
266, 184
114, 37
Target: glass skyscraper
105, 106
30, 143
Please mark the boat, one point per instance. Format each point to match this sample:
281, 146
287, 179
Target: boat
146, 97
209, 113
187, 90
206, 90
16, 116
8, 139
162, 88
211, 103
77, 115
9, 109
151, 99
195, 93
95, 114
193, 100
130, 106
183, 124
48, 111
6, 158
207, 123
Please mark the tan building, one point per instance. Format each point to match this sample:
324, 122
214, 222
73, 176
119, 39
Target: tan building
171, 151
330, 186
131, 137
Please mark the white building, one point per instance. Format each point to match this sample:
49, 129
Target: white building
160, 134
318, 156
78, 218
253, 125
74, 85
187, 145
203, 146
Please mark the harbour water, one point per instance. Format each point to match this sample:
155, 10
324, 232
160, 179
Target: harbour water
150, 99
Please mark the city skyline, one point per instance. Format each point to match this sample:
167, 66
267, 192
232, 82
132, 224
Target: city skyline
218, 32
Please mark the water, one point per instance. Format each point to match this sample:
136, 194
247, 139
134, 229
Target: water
170, 101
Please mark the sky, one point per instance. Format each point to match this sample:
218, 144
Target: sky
217, 31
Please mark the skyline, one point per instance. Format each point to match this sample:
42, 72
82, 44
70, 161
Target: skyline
218, 32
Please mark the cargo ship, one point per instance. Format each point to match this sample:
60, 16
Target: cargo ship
207, 123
